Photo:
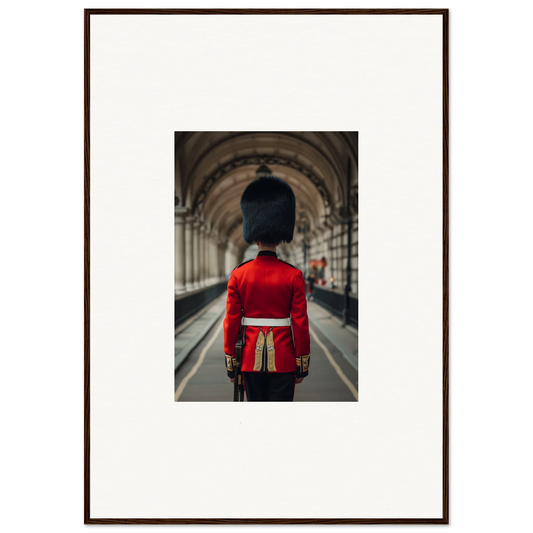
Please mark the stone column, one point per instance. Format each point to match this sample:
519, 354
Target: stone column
179, 249
208, 257
203, 257
213, 244
217, 259
189, 254
231, 257
197, 259
207, 244
221, 249
228, 260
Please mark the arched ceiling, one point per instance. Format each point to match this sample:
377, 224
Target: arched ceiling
214, 168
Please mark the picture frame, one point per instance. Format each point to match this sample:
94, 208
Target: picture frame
128, 260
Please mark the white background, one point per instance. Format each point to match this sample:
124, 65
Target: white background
378, 75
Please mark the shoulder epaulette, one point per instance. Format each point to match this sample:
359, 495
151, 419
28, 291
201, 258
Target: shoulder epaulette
289, 264
243, 263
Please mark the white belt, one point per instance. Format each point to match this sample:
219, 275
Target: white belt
265, 321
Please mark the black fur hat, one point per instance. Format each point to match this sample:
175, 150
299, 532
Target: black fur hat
268, 211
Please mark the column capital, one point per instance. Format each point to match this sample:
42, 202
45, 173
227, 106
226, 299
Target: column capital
180, 214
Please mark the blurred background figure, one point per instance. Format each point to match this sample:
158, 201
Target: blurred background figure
322, 270
311, 279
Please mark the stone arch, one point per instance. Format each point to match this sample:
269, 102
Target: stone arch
257, 161
213, 168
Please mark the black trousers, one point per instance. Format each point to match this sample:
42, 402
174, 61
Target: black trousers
269, 386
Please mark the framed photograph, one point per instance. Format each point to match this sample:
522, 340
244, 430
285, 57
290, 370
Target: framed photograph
266, 222
226, 281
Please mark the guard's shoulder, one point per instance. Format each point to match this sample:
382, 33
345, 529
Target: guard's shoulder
289, 264
243, 263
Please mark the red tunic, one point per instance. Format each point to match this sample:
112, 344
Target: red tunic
267, 287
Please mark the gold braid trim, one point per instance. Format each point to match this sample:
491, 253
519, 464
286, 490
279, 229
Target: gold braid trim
259, 351
303, 362
271, 357
229, 362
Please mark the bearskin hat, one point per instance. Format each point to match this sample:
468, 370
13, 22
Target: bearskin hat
268, 211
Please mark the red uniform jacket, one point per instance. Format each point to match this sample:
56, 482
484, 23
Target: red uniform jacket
267, 287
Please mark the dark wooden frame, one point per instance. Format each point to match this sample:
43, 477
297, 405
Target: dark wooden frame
445, 268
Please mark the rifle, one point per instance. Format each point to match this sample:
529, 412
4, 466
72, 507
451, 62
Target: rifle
238, 386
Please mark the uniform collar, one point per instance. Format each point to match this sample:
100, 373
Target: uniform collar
267, 252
